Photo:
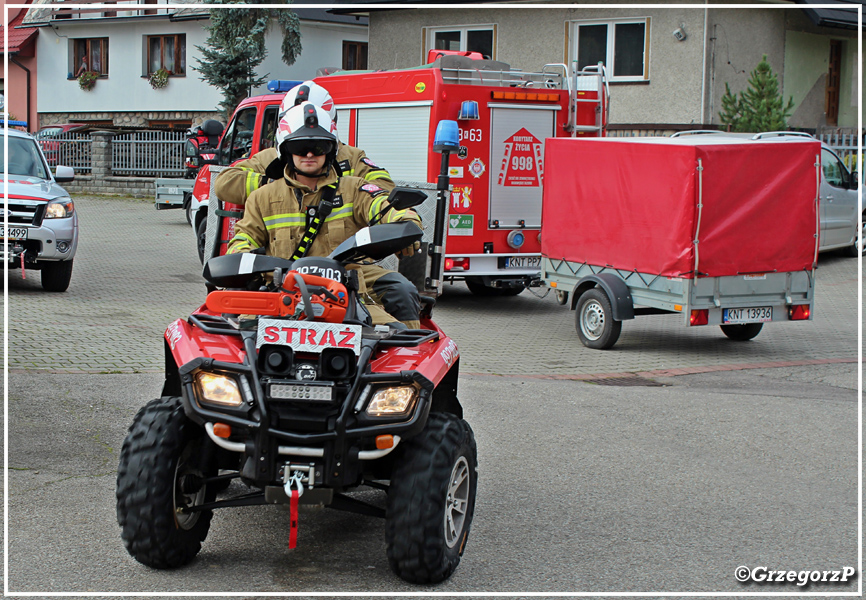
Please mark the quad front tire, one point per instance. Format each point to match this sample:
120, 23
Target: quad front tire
431, 500
160, 474
594, 321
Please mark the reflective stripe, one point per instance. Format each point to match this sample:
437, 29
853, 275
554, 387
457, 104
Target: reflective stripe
375, 207
343, 212
380, 174
252, 182
285, 220
240, 242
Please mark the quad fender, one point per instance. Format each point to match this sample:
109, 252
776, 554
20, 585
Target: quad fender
185, 343
617, 291
445, 395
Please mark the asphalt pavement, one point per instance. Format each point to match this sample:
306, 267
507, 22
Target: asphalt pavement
661, 465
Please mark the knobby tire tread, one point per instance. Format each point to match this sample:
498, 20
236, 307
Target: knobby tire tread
414, 528
145, 488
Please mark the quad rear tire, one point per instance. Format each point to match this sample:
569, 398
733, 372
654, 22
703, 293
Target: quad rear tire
159, 473
594, 321
742, 333
431, 500
201, 239
56, 275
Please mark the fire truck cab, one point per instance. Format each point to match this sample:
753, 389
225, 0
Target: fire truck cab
504, 117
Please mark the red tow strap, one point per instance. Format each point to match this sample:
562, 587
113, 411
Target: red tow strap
293, 520
23, 272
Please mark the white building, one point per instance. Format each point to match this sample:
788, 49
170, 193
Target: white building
124, 47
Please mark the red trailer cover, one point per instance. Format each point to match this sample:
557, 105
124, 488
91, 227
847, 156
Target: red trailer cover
632, 204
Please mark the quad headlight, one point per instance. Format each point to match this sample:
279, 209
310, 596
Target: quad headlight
392, 402
218, 389
57, 209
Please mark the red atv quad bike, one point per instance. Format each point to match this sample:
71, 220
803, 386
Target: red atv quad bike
287, 387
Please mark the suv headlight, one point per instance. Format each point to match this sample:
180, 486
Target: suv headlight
392, 402
218, 389
57, 209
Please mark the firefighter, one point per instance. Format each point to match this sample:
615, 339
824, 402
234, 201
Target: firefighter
236, 183
278, 215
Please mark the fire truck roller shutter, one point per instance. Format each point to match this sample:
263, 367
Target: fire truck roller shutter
396, 139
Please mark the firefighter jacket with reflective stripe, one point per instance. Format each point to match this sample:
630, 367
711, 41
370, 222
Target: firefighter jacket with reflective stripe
276, 215
235, 184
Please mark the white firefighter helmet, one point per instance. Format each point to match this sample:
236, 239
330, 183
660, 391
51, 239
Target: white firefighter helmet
309, 91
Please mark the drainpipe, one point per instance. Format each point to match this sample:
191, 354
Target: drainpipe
26, 70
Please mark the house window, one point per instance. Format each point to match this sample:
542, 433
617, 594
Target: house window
475, 38
166, 52
354, 56
621, 45
90, 55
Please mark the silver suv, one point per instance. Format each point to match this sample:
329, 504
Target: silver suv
39, 228
841, 227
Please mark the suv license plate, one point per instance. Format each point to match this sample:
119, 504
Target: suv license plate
519, 262
760, 314
14, 233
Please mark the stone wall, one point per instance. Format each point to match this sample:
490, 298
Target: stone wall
129, 119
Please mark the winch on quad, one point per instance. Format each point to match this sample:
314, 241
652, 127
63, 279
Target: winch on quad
280, 382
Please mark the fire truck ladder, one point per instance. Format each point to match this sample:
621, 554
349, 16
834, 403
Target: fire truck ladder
590, 79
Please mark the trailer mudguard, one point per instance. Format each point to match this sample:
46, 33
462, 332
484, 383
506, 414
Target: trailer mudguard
617, 292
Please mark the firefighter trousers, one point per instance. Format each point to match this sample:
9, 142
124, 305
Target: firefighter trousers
395, 293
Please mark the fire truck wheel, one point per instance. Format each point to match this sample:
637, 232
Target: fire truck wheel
742, 333
431, 500
595, 325
159, 473
56, 275
201, 238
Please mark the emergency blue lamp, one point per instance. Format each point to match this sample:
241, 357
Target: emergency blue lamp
13, 123
447, 137
468, 111
282, 85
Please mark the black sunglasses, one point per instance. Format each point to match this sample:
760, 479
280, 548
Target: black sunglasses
304, 147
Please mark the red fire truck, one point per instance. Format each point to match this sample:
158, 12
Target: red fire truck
493, 240
504, 116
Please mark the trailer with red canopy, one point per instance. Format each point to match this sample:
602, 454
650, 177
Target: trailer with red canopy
724, 232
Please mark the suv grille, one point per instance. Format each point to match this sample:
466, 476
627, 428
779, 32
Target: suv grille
23, 212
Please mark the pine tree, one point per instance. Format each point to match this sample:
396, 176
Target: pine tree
236, 46
731, 109
760, 107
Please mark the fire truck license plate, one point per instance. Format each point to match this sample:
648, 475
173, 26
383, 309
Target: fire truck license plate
15, 233
308, 336
760, 314
519, 262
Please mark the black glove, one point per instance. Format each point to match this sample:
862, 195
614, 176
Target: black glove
275, 169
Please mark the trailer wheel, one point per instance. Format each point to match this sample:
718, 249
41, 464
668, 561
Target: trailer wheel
594, 321
561, 297
742, 333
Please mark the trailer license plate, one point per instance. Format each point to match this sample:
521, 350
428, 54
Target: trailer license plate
760, 314
14, 233
307, 336
519, 262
